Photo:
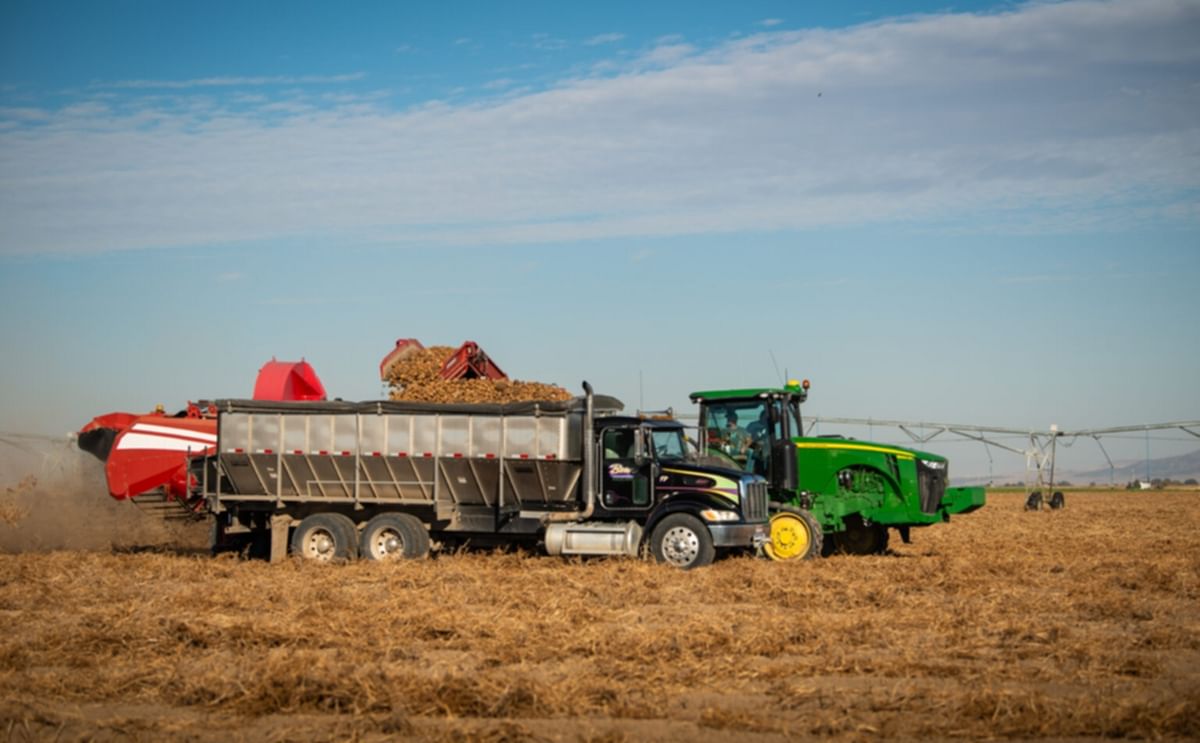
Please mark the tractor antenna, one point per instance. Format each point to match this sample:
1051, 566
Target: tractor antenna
782, 380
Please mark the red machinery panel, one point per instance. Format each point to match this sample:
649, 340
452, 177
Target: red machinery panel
405, 347
288, 380
471, 362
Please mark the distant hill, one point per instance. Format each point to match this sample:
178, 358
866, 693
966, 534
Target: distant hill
1178, 468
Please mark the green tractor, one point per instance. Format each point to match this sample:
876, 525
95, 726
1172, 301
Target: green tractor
828, 493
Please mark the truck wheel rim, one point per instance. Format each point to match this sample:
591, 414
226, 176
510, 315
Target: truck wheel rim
319, 544
680, 546
387, 544
789, 537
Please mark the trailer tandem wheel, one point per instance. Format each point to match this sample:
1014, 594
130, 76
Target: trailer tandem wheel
394, 536
325, 537
683, 541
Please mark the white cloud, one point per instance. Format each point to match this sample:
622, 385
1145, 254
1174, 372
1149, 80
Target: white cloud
769, 22
610, 38
547, 43
229, 82
1018, 121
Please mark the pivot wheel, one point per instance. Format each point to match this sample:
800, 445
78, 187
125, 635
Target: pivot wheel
683, 541
1057, 501
795, 535
325, 537
394, 536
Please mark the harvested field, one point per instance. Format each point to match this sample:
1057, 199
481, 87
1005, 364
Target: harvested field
1083, 623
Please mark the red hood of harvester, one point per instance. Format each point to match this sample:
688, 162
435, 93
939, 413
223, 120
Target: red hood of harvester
146, 452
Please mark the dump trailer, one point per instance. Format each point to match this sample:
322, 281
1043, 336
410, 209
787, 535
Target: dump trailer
382, 480
828, 493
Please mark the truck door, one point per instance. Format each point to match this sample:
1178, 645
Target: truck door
625, 480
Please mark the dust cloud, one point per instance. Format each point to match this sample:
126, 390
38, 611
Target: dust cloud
53, 497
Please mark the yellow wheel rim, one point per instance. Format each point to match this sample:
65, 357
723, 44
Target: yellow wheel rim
790, 537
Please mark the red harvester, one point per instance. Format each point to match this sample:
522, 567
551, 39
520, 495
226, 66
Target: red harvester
145, 454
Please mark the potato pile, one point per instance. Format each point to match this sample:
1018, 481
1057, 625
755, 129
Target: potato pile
415, 378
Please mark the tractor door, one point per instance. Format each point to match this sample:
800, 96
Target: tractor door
626, 470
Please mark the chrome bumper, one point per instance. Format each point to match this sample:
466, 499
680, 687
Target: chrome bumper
738, 535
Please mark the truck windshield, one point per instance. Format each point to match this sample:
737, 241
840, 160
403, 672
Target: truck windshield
669, 444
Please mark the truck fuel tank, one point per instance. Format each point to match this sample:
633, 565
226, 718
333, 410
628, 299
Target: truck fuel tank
594, 538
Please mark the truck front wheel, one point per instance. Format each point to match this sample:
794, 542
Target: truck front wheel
683, 541
325, 537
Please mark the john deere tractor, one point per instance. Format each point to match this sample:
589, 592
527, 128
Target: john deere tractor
828, 493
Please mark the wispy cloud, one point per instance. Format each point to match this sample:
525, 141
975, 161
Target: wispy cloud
598, 39
548, 43
960, 121
769, 22
230, 82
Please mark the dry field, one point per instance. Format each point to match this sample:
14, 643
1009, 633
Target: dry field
1083, 623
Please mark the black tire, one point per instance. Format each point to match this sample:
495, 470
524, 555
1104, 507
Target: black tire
325, 537
1057, 501
393, 536
859, 539
682, 540
1034, 501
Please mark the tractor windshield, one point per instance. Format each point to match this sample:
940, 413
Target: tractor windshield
797, 423
669, 444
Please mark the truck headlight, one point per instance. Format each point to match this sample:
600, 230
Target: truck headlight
712, 514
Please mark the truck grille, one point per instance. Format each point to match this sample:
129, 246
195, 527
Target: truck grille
754, 502
932, 484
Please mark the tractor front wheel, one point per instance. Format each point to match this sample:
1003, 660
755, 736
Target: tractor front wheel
795, 535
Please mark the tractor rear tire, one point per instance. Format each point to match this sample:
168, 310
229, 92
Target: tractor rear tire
682, 540
860, 539
325, 537
393, 536
795, 535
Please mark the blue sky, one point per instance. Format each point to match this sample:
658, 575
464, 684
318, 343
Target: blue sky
973, 212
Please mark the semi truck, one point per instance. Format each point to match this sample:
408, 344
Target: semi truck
828, 493
384, 480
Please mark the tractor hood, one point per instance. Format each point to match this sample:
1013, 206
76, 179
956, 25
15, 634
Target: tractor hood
841, 444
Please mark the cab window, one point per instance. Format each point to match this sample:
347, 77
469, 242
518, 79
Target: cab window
669, 444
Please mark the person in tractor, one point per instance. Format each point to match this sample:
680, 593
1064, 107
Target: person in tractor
737, 439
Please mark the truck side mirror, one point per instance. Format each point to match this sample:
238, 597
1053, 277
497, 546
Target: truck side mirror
640, 456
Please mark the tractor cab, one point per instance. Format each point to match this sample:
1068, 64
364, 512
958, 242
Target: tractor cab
752, 429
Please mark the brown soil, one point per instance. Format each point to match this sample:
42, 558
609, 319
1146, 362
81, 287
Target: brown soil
1081, 623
